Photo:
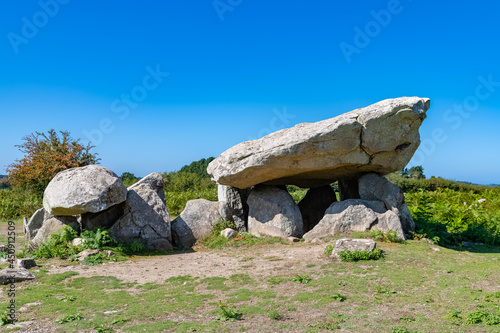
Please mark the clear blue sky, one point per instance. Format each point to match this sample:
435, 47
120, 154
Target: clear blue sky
239, 69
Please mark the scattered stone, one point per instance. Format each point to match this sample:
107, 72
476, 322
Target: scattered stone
25, 263
34, 224
3, 248
355, 215
229, 233
86, 253
379, 138
481, 200
436, 249
195, 222
77, 241
91, 188
314, 204
273, 212
293, 239
52, 224
353, 245
233, 205
146, 218
16, 275
109, 253
428, 240
375, 187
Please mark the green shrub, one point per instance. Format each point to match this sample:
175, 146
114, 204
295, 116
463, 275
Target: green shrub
301, 278
97, 238
16, 203
228, 312
329, 249
390, 236
58, 245
357, 255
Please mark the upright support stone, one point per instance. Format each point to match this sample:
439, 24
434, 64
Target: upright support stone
273, 212
233, 205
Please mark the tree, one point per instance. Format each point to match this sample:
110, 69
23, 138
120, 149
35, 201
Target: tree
416, 172
128, 179
44, 156
198, 167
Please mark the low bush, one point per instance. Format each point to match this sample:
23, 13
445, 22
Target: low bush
16, 203
357, 255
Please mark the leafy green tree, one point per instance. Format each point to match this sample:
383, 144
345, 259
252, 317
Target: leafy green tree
416, 172
198, 167
128, 179
46, 154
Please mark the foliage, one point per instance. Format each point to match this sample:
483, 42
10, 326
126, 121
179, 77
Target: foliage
70, 318
221, 225
228, 312
450, 217
97, 259
198, 167
128, 179
16, 203
274, 314
390, 236
4, 182
46, 154
357, 255
4, 319
97, 238
58, 245
180, 187
301, 278
329, 249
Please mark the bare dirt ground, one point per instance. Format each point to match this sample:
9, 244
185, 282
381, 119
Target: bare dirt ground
264, 262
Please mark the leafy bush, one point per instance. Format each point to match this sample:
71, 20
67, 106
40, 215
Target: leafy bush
329, 249
357, 255
44, 156
390, 236
228, 312
97, 238
58, 245
301, 278
450, 217
16, 203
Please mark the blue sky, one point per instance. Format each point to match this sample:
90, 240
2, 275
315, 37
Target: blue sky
158, 84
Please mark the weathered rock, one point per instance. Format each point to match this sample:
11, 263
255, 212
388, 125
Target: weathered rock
146, 218
15, 275
77, 241
355, 215
379, 138
273, 212
353, 245
52, 224
3, 248
314, 204
106, 218
233, 205
229, 233
375, 187
92, 188
34, 224
86, 253
195, 222
25, 263
293, 239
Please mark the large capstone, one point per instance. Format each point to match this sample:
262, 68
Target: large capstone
92, 188
379, 138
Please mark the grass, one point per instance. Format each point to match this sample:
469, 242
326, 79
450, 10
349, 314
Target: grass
414, 289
